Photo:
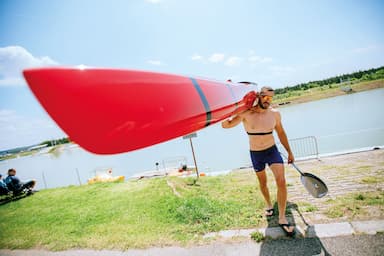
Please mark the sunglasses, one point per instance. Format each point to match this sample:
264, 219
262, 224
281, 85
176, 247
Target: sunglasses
266, 97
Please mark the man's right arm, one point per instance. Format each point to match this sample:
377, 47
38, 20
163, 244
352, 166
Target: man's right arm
232, 121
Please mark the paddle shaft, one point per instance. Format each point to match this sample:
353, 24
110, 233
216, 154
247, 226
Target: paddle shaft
297, 168
293, 164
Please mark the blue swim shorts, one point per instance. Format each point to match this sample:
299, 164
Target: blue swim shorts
267, 156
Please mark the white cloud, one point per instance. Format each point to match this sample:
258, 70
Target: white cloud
282, 70
23, 131
196, 57
153, 1
252, 59
216, 57
233, 61
13, 59
155, 62
259, 59
366, 49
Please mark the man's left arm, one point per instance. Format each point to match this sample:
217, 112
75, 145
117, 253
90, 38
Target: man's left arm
283, 137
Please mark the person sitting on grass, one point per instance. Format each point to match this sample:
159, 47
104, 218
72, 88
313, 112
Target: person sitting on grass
3, 187
16, 186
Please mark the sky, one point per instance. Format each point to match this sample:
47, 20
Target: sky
276, 43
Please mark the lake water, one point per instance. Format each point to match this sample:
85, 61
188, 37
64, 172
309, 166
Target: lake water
343, 123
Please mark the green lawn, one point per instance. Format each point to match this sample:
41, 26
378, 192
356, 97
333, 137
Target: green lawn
145, 213
130, 214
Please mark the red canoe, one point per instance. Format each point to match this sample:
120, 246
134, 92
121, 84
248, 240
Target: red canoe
108, 111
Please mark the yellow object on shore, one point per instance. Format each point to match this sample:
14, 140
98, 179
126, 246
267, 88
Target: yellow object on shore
105, 177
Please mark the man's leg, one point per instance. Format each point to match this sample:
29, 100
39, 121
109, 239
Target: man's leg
262, 177
278, 172
29, 185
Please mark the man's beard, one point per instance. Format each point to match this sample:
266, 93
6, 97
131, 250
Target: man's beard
262, 106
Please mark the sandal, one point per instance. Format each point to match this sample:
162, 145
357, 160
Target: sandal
285, 228
269, 212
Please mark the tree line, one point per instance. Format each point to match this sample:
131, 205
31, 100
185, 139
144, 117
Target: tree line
359, 76
51, 143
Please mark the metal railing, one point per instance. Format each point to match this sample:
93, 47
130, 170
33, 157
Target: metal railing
305, 147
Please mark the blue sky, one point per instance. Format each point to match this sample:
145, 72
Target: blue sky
277, 43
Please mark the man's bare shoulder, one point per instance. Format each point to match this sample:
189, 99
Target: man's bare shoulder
274, 110
246, 113
276, 114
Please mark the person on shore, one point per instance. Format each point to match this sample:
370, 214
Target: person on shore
259, 123
16, 186
3, 187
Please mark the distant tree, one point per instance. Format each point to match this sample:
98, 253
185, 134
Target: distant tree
51, 143
367, 75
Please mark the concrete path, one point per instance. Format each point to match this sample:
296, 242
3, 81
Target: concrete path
345, 238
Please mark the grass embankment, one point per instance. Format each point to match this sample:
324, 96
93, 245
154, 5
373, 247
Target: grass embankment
137, 214
130, 214
54, 150
328, 91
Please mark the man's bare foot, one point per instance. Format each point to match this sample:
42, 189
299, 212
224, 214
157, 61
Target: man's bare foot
269, 212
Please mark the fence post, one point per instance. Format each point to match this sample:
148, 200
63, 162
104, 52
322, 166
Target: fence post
317, 148
78, 176
45, 182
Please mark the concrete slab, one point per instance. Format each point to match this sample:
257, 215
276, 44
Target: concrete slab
368, 227
318, 230
330, 230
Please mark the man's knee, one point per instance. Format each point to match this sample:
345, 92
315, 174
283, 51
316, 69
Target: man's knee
262, 178
280, 181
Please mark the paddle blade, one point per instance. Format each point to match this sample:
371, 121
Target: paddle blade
314, 185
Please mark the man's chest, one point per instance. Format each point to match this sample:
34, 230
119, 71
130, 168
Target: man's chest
261, 121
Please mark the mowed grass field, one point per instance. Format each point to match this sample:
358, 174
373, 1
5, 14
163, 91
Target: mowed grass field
149, 212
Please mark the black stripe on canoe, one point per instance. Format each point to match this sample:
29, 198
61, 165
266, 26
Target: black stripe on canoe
204, 100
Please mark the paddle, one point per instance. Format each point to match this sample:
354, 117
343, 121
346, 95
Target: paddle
313, 184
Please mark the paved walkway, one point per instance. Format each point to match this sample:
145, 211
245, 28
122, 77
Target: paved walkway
320, 239
344, 174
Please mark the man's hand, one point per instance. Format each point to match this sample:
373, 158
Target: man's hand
232, 121
250, 99
291, 158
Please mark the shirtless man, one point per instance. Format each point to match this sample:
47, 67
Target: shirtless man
259, 123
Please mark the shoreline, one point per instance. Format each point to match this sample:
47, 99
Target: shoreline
318, 94
162, 174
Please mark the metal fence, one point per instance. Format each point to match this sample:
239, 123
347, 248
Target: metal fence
45, 181
302, 148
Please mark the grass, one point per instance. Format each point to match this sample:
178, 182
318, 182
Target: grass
21, 154
148, 212
258, 236
131, 214
307, 207
372, 180
355, 204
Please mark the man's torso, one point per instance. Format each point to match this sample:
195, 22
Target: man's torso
264, 122
13, 182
